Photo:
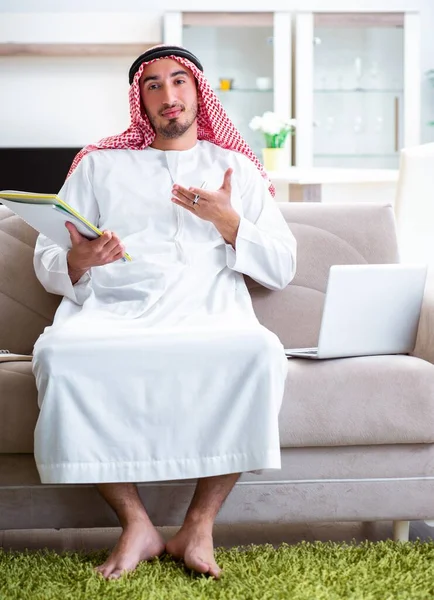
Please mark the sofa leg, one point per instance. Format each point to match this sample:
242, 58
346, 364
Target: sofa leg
401, 531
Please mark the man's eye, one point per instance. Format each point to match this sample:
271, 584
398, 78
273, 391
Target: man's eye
180, 81
153, 86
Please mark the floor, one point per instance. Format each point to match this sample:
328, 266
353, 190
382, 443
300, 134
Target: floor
224, 535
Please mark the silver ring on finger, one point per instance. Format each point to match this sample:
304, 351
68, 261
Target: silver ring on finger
196, 199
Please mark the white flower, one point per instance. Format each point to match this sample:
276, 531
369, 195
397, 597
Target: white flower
271, 123
256, 123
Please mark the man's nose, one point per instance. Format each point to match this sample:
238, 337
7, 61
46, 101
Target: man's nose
169, 96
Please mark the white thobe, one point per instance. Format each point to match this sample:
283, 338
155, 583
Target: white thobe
158, 369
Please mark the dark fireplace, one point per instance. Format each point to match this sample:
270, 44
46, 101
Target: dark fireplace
35, 169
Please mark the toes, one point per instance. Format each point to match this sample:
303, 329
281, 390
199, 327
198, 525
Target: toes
103, 570
214, 571
201, 566
197, 564
105, 573
115, 574
109, 571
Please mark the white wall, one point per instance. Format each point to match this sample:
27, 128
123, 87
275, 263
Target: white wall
68, 101
60, 101
211, 5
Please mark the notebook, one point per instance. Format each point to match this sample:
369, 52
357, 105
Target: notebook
47, 213
368, 310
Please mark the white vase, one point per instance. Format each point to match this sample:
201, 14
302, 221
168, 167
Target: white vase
275, 159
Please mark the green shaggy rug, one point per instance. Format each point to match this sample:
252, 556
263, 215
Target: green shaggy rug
305, 571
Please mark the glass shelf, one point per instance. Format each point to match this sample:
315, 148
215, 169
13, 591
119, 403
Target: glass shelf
357, 91
249, 90
378, 155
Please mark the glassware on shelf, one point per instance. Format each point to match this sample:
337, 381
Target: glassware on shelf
373, 74
379, 124
358, 71
358, 124
324, 81
263, 83
353, 72
330, 123
226, 84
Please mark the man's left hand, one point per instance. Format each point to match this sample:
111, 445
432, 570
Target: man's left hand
214, 206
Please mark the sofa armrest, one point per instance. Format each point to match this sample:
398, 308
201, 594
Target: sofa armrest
10, 357
424, 347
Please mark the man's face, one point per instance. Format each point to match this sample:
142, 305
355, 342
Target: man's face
169, 96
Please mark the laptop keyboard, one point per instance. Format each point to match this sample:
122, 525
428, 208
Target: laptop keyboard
308, 351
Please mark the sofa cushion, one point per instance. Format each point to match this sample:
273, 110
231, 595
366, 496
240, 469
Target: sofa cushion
26, 308
358, 401
18, 407
342, 402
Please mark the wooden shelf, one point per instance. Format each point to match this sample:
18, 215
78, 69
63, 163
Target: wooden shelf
15, 49
359, 19
226, 19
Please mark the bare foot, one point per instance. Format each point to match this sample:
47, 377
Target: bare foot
195, 547
139, 541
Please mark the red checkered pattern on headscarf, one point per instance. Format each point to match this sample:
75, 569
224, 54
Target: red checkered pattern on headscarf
213, 123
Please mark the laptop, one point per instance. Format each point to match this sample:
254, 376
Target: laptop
369, 309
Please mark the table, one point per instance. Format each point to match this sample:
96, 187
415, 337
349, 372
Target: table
306, 184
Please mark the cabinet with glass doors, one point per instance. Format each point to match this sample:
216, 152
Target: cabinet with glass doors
357, 86
246, 58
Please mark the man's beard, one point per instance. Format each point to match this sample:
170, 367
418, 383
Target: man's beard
174, 128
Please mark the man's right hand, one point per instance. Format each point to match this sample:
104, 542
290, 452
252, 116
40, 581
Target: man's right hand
85, 253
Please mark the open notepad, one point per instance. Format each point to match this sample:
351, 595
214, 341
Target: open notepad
47, 213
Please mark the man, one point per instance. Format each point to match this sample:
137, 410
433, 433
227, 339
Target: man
157, 368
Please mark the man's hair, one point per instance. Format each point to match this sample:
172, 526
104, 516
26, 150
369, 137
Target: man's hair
161, 52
